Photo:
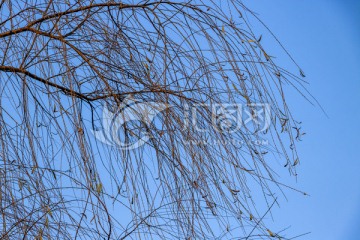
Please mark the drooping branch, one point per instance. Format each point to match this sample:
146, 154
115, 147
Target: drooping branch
65, 64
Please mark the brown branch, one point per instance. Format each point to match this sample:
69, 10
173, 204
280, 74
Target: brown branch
85, 96
65, 90
60, 14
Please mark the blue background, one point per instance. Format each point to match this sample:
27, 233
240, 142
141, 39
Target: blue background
324, 38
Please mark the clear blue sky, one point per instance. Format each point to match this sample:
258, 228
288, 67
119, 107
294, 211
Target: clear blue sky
324, 38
